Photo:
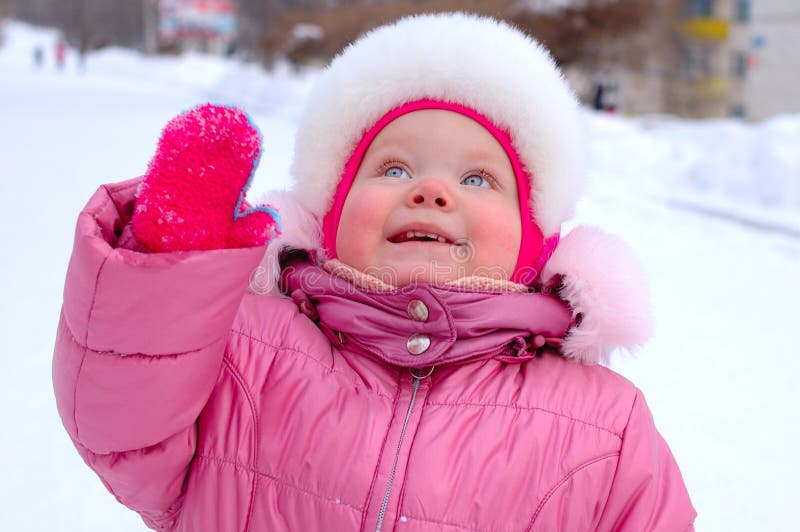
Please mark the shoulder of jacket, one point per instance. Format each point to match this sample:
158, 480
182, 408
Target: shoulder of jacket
276, 322
264, 317
590, 393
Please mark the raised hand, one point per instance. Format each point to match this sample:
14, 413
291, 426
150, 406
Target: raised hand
192, 196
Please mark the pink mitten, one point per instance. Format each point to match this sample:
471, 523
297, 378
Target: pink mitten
192, 196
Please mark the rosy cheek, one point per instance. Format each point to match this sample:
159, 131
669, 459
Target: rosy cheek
360, 228
497, 237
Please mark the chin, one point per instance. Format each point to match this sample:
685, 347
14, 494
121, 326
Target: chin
404, 274
407, 269
425, 276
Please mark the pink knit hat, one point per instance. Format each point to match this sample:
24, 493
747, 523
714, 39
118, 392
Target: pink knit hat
534, 249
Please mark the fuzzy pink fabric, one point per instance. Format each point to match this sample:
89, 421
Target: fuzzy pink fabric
299, 230
604, 284
192, 196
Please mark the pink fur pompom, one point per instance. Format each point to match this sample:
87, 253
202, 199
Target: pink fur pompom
604, 284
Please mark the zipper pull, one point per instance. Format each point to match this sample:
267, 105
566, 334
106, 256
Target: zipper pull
417, 373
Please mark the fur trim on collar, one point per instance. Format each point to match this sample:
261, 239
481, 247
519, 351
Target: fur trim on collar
299, 230
605, 286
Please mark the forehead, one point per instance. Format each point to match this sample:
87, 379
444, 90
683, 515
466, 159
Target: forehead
434, 127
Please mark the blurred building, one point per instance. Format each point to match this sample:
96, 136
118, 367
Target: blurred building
145, 24
693, 58
86, 24
703, 59
774, 59
713, 63
692, 61
738, 58
206, 25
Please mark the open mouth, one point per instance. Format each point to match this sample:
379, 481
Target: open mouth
418, 236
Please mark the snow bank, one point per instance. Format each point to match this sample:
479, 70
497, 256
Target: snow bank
746, 172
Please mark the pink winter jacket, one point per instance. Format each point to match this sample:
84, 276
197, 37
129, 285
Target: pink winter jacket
206, 408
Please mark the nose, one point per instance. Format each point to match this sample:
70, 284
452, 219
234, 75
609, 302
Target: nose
430, 193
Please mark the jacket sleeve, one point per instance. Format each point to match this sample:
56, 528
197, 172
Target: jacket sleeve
139, 346
648, 492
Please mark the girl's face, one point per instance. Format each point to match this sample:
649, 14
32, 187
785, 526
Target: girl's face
435, 199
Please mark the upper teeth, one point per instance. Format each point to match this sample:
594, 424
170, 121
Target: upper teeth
418, 234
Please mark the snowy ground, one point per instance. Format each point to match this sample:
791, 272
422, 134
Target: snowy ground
713, 209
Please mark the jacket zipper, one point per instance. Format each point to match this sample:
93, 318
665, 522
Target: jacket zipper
385, 503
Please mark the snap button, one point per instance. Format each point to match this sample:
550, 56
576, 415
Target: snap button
538, 341
417, 310
418, 343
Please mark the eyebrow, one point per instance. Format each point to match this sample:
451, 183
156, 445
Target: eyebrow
406, 142
391, 140
476, 153
384, 150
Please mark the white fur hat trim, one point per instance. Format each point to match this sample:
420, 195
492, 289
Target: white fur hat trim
474, 61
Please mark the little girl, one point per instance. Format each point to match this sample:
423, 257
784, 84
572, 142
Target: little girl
416, 350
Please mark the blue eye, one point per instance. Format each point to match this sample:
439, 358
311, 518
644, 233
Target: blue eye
396, 171
476, 180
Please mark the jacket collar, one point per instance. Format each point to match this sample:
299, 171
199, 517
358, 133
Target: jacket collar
425, 325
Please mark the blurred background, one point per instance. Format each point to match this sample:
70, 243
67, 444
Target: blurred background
692, 58
692, 119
